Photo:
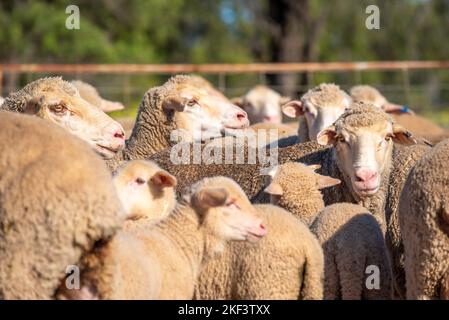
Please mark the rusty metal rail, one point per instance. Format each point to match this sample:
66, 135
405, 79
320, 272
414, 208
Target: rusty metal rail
223, 68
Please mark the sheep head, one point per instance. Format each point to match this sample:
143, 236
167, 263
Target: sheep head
225, 210
145, 190
320, 106
363, 142
262, 104
59, 102
200, 112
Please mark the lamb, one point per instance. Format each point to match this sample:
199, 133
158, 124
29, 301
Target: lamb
145, 190
164, 261
262, 104
402, 115
360, 156
424, 224
57, 202
179, 109
318, 108
58, 101
296, 187
286, 264
91, 95
353, 245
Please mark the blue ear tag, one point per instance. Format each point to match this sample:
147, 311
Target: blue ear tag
405, 109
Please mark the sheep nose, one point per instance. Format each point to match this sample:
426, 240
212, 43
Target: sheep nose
119, 134
241, 116
365, 175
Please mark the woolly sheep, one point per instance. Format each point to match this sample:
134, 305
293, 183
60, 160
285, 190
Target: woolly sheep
296, 187
58, 101
91, 95
370, 133
146, 191
56, 202
318, 108
424, 224
403, 160
262, 104
164, 261
352, 243
285, 264
180, 106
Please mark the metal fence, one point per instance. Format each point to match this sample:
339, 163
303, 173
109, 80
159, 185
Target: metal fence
222, 74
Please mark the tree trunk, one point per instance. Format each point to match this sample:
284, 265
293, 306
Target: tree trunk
289, 19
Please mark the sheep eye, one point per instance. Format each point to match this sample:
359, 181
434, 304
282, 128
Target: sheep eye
388, 138
341, 139
140, 181
233, 204
192, 102
58, 108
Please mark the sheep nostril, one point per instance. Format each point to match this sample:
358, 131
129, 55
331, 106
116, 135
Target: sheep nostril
119, 134
262, 226
241, 116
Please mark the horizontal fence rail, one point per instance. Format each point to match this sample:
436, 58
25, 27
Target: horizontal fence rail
223, 68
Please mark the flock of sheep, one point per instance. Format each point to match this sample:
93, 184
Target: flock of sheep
355, 207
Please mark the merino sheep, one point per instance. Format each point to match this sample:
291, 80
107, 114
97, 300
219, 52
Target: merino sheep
360, 156
91, 95
58, 101
164, 261
404, 159
179, 109
146, 191
296, 187
57, 202
318, 108
420, 126
424, 224
353, 245
262, 104
286, 264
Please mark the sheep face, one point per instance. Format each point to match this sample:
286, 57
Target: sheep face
91, 95
262, 105
364, 152
285, 176
320, 107
70, 111
226, 211
203, 115
145, 190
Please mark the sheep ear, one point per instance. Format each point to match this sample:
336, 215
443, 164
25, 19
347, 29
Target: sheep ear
33, 105
293, 109
327, 136
274, 189
175, 103
108, 106
315, 167
402, 135
163, 179
326, 181
283, 100
210, 197
238, 101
